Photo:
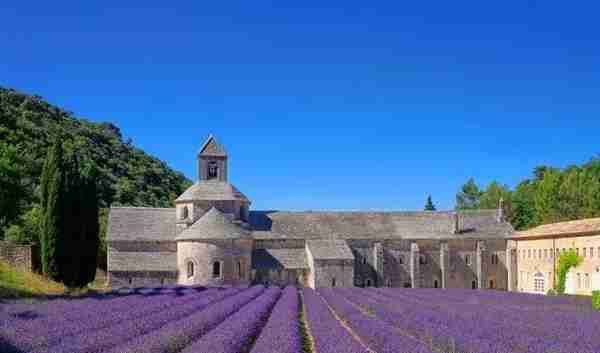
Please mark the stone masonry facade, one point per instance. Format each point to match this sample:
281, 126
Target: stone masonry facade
212, 237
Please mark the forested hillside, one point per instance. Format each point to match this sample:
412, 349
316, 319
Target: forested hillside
127, 175
550, 195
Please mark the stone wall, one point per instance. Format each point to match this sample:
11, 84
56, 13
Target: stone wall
24, 257
334, 273
234, 258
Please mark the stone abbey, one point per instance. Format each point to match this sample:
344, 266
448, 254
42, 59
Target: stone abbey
212, 237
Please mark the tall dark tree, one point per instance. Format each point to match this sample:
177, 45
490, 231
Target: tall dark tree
468, 198
52, 198
91, 228
429, 206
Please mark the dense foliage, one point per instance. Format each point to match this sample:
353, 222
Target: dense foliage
567, 260
260, 320
551, 195
596, 299
69, 227
126, 175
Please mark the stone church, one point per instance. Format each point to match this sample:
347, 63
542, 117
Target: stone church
212, 237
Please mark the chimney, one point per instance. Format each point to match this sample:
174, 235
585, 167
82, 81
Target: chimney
500, 212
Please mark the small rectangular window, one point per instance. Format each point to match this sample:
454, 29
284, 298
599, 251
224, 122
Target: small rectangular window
591, 252
584, 252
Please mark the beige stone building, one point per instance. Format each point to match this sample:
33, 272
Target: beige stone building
211, 237
537, 250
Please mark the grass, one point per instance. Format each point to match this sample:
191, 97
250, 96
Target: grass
18, 284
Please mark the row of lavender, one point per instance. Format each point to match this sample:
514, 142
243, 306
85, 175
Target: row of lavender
189, 320
456, 320
260, 320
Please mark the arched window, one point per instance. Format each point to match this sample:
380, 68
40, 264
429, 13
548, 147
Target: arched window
216, 269
422, 259
213, 170
333, 282
240, 270
190, 269
364, 260
400, 260
473, 284
435, 283
492, 285
368, 283
468, 260
184, 212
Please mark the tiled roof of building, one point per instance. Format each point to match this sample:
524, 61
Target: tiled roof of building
583, 226
142, 261
360, 225
213, 225
158, 224
279, 258
140, 223
212, 191
330, 249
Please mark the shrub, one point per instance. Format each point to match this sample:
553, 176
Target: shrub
567, 260
551, 292
596, 299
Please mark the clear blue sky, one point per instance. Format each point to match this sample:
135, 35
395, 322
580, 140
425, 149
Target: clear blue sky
356, 105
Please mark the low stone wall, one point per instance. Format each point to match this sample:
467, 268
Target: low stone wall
24, 257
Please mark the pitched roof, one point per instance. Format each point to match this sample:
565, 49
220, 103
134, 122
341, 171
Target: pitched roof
140, 223
212, 191
578, 227
212, 147
279, 258
142, 261
330, 249
213, 225
381, 225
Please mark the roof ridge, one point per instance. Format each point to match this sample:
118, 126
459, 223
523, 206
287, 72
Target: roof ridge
142, 208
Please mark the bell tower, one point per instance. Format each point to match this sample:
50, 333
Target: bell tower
212, 161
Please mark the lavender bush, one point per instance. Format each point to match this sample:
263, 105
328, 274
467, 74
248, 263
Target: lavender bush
281, 334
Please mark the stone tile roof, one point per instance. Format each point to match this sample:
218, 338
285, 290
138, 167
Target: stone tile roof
158, 224
330, 249
212, 191
142, 261
578, 227
213, 225
140, 223
279, 258
381, 225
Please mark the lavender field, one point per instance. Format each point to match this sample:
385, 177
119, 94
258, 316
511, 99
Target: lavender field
274, 320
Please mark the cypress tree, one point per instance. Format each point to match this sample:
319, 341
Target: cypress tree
429, 206
52, 218
70, 262
91, 233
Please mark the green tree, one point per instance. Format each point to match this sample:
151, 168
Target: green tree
523, 206
468, 198
12, 190
27, 229
52, 225
546, 197
90, 235
567, 260
429, 206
